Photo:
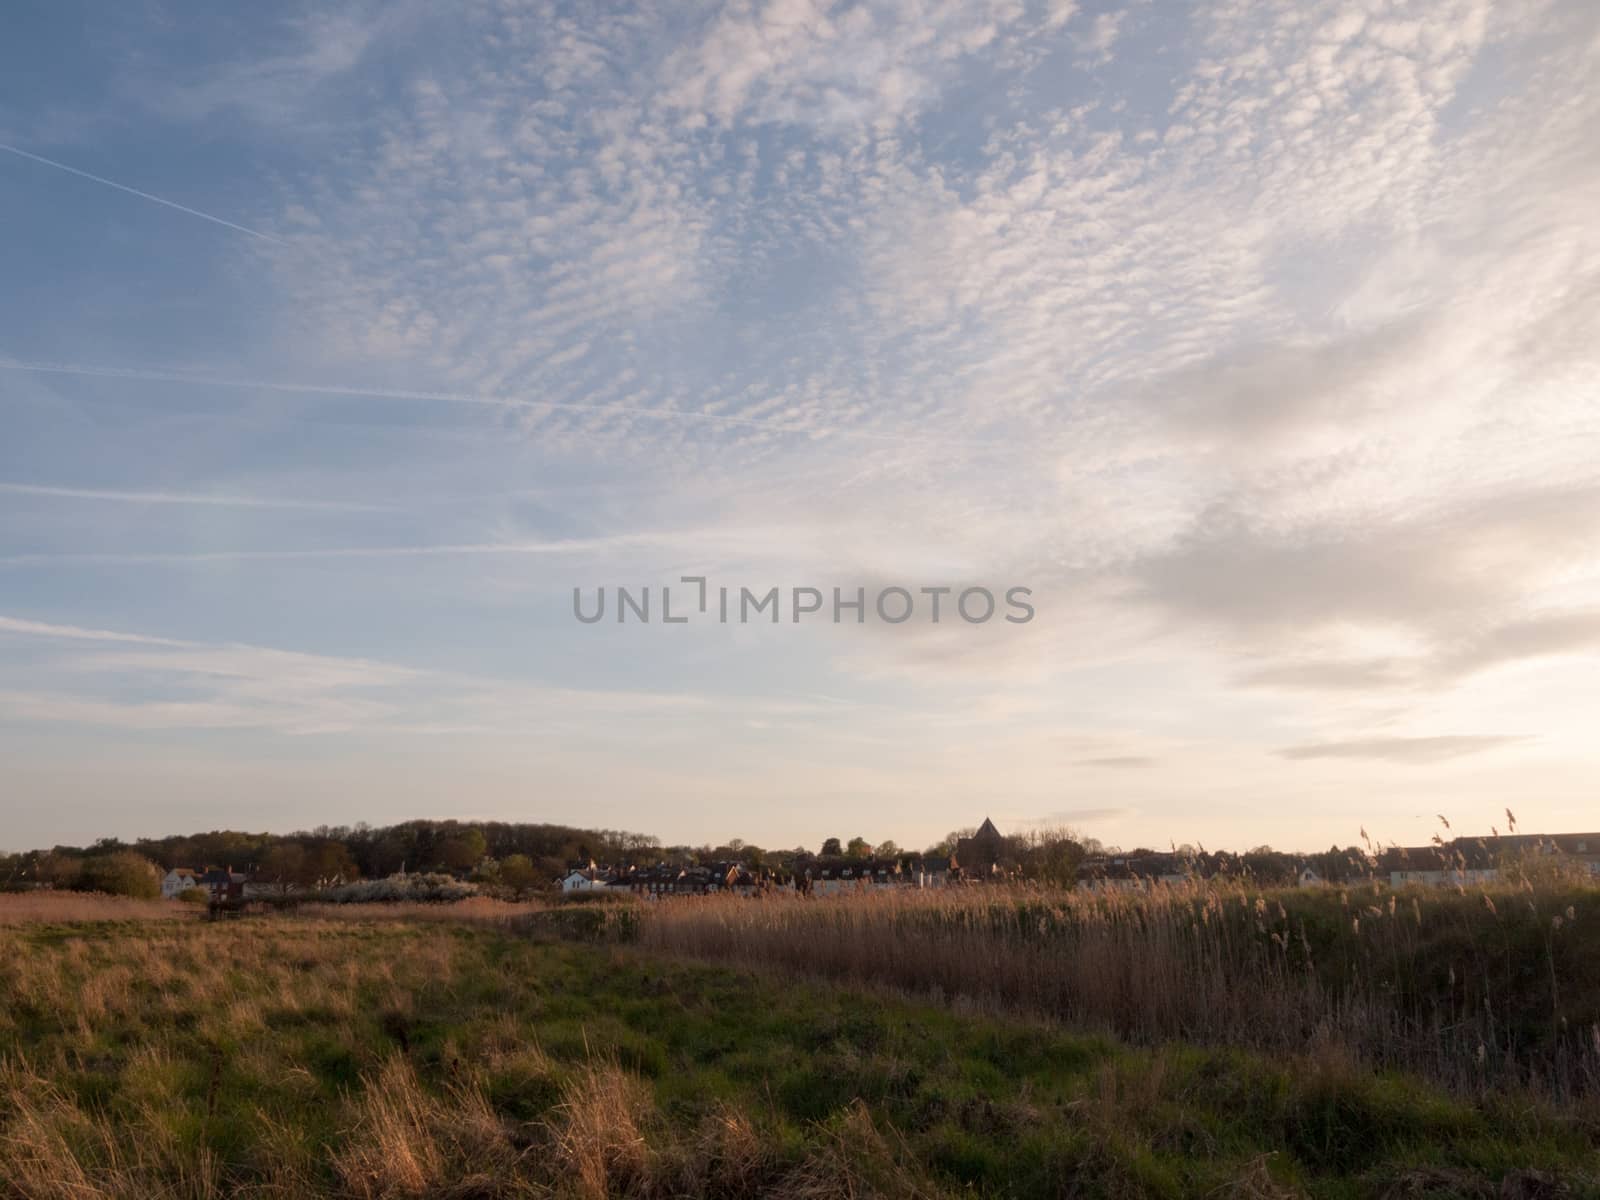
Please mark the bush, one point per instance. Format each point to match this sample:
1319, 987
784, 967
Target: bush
402, 888
121, 873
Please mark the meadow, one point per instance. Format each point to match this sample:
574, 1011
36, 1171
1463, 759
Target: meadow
492, 1050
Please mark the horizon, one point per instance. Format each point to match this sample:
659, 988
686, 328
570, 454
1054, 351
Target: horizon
349, 352
1377, 844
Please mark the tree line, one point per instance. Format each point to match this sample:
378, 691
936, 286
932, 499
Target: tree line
530, 854
521, 857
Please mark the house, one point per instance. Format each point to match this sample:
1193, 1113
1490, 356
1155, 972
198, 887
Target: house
1442, 865
177, 881
586, 878
934, 870
650, 882
984, 853
829, 876
704, 879
1130, 872
1308, 877
223, 884
1469, 860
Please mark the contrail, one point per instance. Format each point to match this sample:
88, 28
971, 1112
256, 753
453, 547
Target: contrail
153, 558
133, 191
659, 414
220, 499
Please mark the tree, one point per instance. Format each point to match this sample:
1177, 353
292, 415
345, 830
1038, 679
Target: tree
947, 844
1051, 854
462, 850
1269, 867
887, 850
858, 847
331, 863
121, 873
59, 869
831, 848
285, 867
518, 873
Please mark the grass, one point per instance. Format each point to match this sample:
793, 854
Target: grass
32, 908
302, 1056
1488, 989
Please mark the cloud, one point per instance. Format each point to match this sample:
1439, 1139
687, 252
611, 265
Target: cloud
1423, 571
217, 499
1452, 659
513, 402
1540, 636
140, 682
1419, 750
1101, 35
1119, 761
1079, 816
25, 628
787, 61
1289, 387
282, 88
1359, 675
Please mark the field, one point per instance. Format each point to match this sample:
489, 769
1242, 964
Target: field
597, 1051
1487, 988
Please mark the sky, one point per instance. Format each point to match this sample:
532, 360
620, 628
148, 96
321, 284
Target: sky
1257, 339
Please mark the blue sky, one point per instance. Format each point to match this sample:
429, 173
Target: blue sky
339, 344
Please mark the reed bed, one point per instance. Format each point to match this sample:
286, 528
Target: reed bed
1493, 988
276, 1056
476, 910
48, 907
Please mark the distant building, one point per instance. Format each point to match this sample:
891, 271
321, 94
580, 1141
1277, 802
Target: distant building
651, 882
704, 879
1131, 872
933, 870
1469, 860
177, 881
223, 884
984, 853
586, 878
828, 876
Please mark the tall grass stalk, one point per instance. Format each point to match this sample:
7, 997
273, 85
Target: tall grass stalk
1476, 990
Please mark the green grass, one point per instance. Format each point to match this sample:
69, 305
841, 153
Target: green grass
206, 1060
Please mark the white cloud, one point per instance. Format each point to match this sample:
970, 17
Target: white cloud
1268, 364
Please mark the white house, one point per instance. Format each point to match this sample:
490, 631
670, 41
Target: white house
176, 881
1309, 878
1444, 877
585, 880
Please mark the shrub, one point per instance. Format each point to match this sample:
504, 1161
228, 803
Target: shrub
402, 888
121, 873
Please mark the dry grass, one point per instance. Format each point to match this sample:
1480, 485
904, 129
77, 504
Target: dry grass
32, 908
477, 910
601, 1146
284, 1057
1491, 988
408, 1142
